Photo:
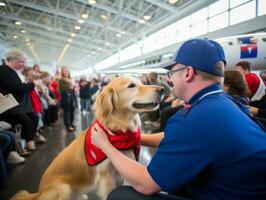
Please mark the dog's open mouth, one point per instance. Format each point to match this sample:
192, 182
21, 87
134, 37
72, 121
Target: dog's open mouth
145, 105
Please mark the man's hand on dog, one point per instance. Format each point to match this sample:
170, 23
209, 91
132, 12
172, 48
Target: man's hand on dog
98, 137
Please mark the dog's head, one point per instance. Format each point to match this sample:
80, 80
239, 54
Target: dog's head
125, 95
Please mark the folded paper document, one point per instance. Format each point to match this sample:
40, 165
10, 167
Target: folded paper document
7, 102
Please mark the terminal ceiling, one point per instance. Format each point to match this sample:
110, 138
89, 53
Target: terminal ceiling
67, 31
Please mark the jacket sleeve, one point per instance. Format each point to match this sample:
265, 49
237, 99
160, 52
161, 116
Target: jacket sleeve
13, 85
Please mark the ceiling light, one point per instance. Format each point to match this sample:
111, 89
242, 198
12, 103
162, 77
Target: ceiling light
172, 1
23, 31
70, 40
99, 48
77, 28
93, 52
28, 44
81, 21
147, 17
84, 15
118, 35
141, 21
123, 32
103, 16
4, 13
92, 2
73, 34
107, 43
2, 4
67, 45
15, 36
18, 23
27, 40
49, 29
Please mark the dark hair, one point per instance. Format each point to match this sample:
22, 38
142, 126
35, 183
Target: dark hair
244, 65
35, 66
236, 83
155, 75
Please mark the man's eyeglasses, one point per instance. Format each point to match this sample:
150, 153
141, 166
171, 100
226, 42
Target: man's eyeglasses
171, 72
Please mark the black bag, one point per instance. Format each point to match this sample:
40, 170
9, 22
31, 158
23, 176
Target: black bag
68, 100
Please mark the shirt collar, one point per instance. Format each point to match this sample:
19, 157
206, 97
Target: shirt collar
199, 94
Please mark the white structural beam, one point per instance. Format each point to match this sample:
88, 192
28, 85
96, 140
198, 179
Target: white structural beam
163, 5
111, 10
44, 44
39, 25
54, 11
186, 9
44, 37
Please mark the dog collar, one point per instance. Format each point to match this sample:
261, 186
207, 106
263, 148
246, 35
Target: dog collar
119, 139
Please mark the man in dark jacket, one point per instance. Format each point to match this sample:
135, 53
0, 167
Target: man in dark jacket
11, 82
84, 94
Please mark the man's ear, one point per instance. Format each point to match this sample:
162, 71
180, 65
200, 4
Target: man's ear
106, 102
190, 75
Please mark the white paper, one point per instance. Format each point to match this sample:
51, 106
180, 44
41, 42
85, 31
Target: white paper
7, 102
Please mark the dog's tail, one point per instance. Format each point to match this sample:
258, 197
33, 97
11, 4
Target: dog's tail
24, 195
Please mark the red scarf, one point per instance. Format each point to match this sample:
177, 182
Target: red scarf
35, 101
120, 140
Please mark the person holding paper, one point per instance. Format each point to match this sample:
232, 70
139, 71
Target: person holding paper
11, 82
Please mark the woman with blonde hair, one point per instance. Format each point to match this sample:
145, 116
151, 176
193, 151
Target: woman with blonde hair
68, 99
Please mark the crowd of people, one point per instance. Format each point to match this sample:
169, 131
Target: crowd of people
210, 124
40, 98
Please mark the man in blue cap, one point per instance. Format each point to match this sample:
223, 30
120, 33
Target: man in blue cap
210, 149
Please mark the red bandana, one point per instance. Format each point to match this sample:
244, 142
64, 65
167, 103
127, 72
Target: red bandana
120, 140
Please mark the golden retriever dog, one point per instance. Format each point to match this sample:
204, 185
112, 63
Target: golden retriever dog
116, 107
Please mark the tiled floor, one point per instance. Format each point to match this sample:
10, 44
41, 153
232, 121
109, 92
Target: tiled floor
27, 176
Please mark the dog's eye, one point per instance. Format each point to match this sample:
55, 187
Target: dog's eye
131, 85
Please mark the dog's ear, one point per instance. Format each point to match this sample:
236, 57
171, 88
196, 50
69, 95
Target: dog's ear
106, 102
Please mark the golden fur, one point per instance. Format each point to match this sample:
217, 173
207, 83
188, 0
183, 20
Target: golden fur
117, 108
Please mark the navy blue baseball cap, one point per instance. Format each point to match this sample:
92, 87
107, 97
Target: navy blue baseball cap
201, 54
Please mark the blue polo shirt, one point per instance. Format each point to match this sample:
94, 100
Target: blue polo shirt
212, 150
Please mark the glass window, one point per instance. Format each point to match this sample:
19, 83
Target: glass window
218, 22
130, 52
149, 43
183, 34
146, 44
199, 29
234, 3
87, 71
198, 16
182, 29
261, 7
167, 36
218, 7
161, 37
183, 23
243, 13
108, 62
